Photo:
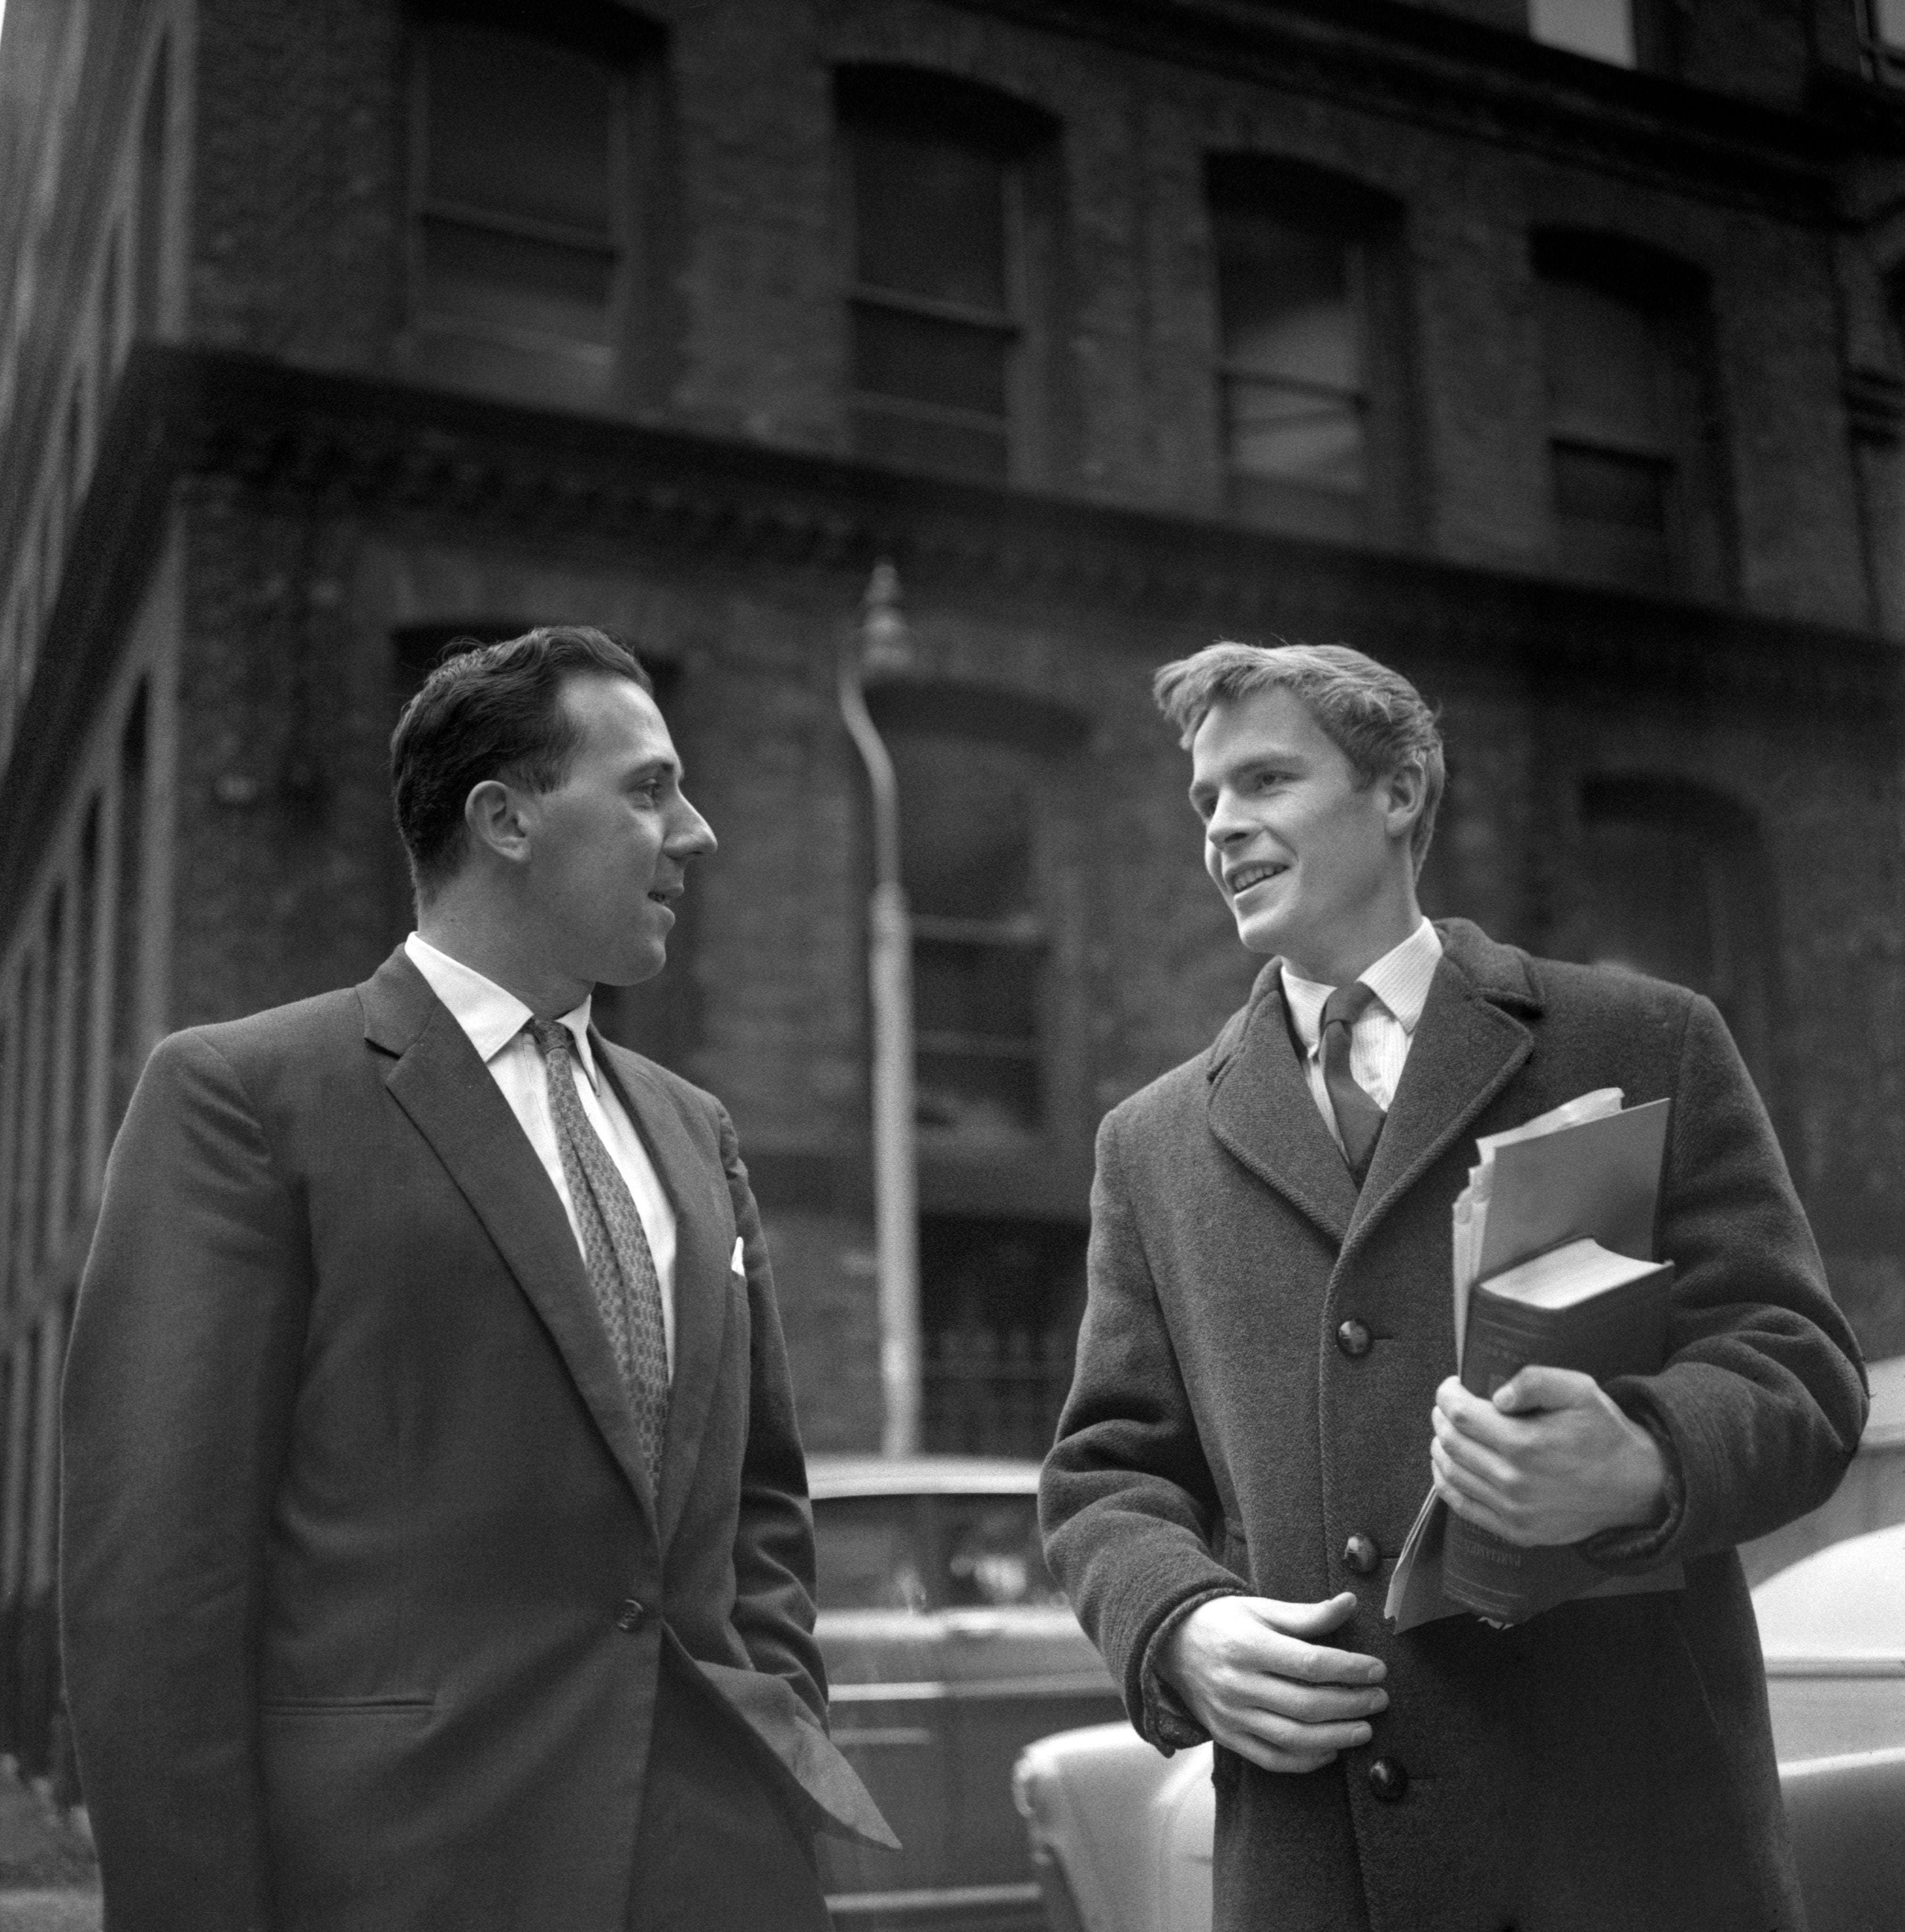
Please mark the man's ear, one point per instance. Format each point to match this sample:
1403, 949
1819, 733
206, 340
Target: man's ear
498, 818
1406, 792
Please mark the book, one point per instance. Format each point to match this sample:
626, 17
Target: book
1589, 1170
1579, 1306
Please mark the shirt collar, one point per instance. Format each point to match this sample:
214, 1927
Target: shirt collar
491, 1014
1399, 979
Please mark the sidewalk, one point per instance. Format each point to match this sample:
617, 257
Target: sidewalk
47, 1880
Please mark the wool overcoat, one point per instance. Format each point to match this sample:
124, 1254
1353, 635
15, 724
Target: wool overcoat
1607, 1764
365, 1591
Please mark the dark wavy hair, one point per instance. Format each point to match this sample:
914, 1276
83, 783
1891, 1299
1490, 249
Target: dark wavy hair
489, 711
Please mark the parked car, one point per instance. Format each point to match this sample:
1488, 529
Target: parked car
948, 1648
1120, 1837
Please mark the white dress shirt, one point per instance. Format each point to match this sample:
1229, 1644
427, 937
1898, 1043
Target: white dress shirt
1379, 1041
494, 1020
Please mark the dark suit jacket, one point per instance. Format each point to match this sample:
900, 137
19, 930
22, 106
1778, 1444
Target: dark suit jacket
1606, 1765
364, 1592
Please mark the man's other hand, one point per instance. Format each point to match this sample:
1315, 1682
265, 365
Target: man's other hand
1250, 1669
1548, 1460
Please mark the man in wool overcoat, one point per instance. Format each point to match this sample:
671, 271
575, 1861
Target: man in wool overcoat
1265, 1387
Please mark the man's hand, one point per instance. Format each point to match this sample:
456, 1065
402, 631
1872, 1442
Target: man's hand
1248, 1668
1550, 1459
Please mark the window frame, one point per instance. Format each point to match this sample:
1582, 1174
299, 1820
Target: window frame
1044, 1169
1672, 298
531, 365
1367, 225
1016, 136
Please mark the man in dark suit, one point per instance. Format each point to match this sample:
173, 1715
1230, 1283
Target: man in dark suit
436, 1553
1265, 1387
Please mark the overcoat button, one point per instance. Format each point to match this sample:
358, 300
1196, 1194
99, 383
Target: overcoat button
631, 1615
1388, 1779
1362, 1555
1353, 1338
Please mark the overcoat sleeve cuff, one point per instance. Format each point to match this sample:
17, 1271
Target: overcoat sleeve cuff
1642, 1545
1164, 1719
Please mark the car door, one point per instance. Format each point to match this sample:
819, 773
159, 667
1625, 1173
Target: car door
1016, 1667
878, 1637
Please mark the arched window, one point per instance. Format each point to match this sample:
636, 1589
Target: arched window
947, 221
1633, 470
1675, 885
530, 166
1309, 329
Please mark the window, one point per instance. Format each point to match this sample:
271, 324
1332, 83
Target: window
941, 201
1675, 885
1630, 472
1603, 30
1302, 274
524, 174
979, 941
1612, 464
1000, 1299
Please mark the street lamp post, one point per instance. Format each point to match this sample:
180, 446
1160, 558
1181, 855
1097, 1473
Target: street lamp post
879, 644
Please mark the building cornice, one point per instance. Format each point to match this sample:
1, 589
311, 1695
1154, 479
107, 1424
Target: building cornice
1396, 60
330, 445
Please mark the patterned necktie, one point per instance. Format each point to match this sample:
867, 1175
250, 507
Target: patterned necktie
1359, 1119
621, 1265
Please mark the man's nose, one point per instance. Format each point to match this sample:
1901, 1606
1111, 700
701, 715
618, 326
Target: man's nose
1226, 823
691, 836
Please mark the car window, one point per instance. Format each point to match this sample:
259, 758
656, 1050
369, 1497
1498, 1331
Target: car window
992, 1557
867, 1550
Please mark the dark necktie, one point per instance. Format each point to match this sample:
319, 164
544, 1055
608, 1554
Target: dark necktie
1359, 1120
621, 1264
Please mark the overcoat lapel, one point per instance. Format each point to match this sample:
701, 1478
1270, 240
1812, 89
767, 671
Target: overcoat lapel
1466, 1050
696, 1189
439, 1082
1262, 1109
1467, 1047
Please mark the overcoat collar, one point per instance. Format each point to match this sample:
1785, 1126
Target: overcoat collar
1466, 1048
439, 1080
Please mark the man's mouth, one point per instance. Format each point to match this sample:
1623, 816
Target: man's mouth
1239, 880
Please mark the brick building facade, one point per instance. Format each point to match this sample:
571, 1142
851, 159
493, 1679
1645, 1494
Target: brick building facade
1551, 352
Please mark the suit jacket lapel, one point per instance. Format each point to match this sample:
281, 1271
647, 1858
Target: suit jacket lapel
439, 1082
697, 1191
1466, 1050
1262, 1109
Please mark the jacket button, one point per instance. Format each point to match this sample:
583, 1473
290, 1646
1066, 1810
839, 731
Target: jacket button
1362, 1555
1388, 1779
631, 1615
1353, 1338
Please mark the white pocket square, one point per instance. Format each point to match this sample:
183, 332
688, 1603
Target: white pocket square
734, 1266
